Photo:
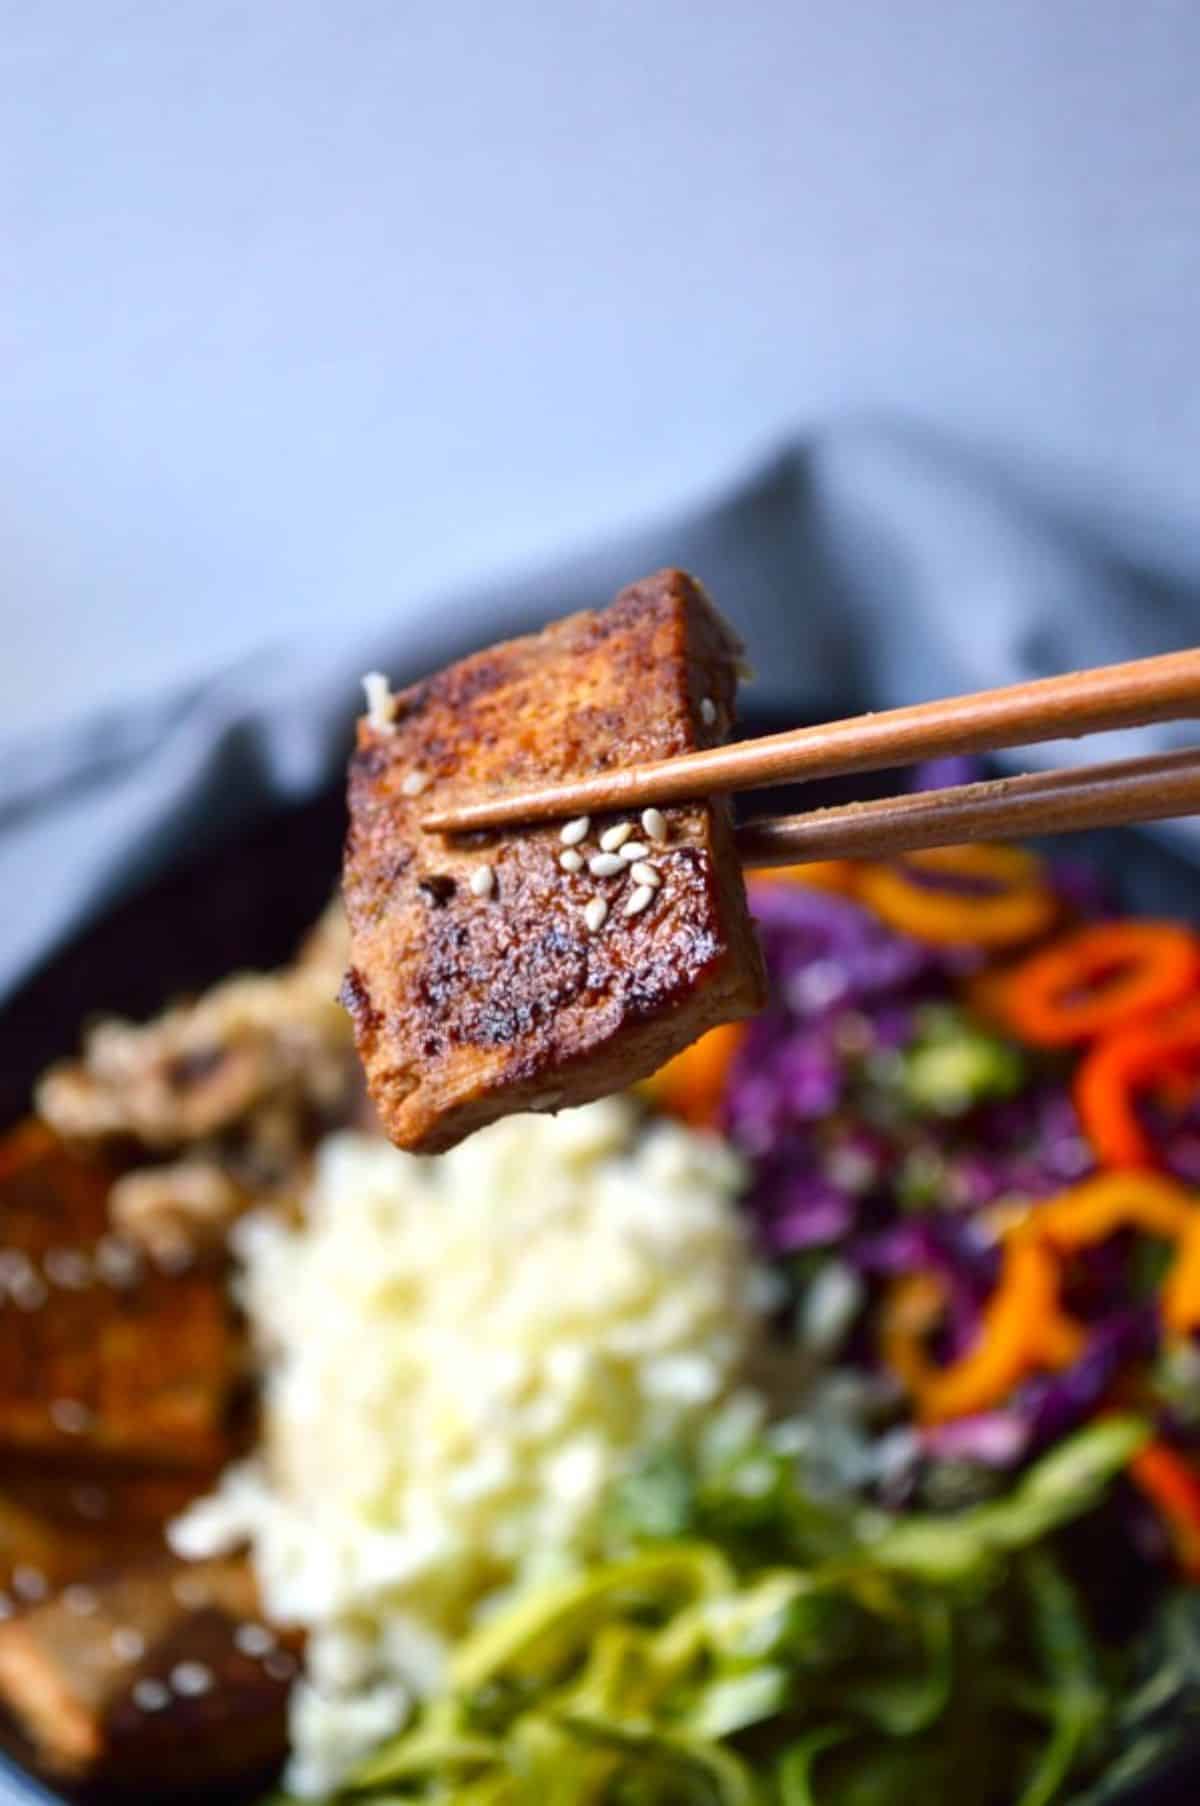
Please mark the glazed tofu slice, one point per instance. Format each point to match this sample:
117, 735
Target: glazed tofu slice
103, 1355
162, 1675
60, 1520
499, 972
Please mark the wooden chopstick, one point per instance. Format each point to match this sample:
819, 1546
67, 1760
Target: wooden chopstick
1048, 802
1165, 688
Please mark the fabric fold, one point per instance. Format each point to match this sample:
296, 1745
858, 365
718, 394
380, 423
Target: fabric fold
865, 567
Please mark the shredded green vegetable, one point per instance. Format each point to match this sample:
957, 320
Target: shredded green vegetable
1062, 1485
927, 1659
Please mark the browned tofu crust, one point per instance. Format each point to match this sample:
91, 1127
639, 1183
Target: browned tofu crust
62, 1519
469, 1007
102, 1354
162, 1675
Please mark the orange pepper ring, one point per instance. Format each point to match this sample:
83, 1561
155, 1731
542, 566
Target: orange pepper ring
1113, 1073
1096, 1208
1173, 1488
842, 876
1180, 1297
1023, 1329
1053, 997
1022, 908
1152, 1202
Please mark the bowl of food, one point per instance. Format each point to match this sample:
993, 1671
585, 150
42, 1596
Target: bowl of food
794, 1401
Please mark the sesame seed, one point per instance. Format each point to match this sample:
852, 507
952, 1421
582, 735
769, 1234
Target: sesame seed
606, 865
28, 1294
613, 839
128, 1645
642, 873
29, 1582
641, 899
483, 881
572, 832
634, 850
150, 1695
191, 1679
415, 783
117, 1261
596, 914
71, 1416
280, 1666
68, 1268
80, 1599
708, 711
16, 1269
571, 860
254, 1639
381, 704
655, 824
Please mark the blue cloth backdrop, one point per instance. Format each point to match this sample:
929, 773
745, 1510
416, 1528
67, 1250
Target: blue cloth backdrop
865, 568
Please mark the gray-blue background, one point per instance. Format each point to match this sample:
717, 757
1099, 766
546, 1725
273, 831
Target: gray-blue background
310, 307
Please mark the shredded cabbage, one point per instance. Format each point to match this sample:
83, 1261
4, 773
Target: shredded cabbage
894, 1666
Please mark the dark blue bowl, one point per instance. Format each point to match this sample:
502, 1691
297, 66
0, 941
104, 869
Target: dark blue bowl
248, 904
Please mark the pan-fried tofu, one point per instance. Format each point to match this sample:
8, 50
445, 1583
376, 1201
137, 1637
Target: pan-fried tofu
534, 968
102, 1353
60, 1520
162, 1674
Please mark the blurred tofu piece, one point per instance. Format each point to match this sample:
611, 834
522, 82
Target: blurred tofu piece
61, 1520
477, 985
161, 1676
102, 1353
